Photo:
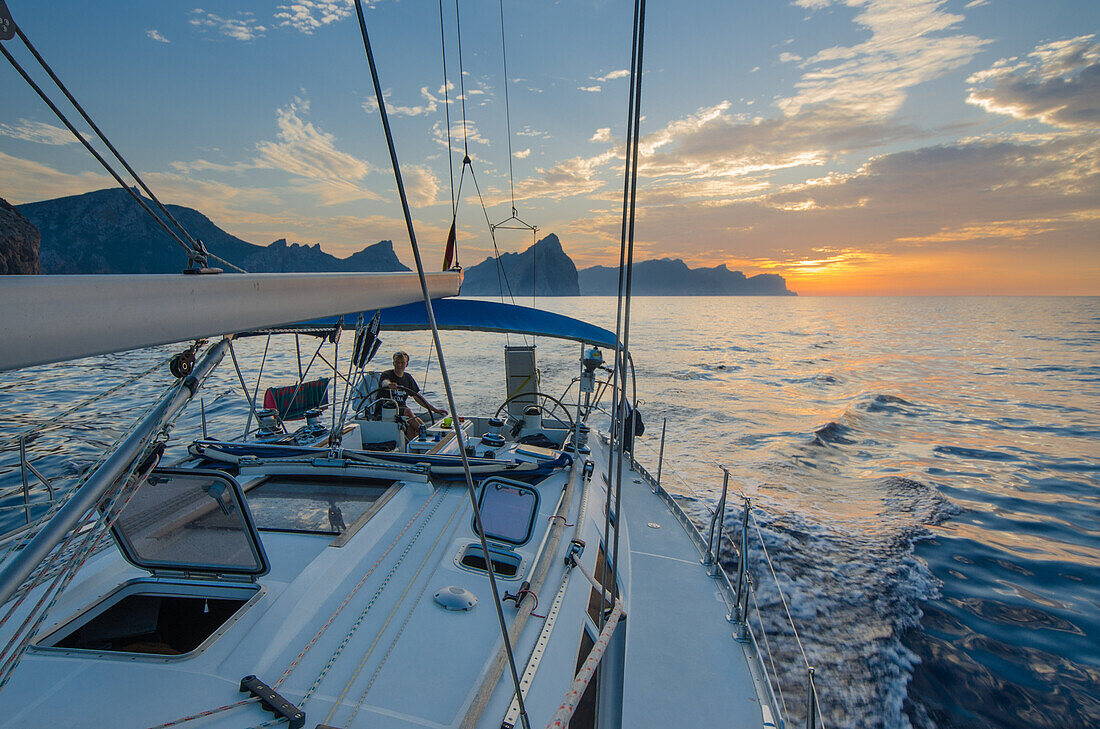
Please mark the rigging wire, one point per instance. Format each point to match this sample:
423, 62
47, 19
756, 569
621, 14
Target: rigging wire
507, 111
447, 110
461, 86
194, 247
191, 253
626, 263
459, 435
103, 137
520, 223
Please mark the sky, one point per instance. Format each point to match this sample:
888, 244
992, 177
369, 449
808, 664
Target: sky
925, 147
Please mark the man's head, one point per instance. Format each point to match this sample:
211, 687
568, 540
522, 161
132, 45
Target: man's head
400, 360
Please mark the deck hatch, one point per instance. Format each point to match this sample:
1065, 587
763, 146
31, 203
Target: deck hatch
506, 563
508, 510
157, 618
190, 521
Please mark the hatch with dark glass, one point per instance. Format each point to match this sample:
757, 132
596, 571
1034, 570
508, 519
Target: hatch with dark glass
192, 522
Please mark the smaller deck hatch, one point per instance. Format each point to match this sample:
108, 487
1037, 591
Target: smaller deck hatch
508, 510
192, 522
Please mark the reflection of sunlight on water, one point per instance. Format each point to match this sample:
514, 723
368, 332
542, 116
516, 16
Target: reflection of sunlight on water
850, 422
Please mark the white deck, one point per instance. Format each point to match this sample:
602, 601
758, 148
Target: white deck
409, 663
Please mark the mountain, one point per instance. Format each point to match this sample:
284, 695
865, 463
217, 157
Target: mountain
544, 268
19, 242
283, 257
106, 231
672, 277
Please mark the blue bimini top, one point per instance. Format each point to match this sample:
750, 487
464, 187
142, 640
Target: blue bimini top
480, 316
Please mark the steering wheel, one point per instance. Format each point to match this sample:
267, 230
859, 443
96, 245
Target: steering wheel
385, 394
548, 405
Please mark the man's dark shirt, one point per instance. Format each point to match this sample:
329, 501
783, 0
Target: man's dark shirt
406, 380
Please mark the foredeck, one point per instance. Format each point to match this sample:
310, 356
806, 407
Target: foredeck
351, 633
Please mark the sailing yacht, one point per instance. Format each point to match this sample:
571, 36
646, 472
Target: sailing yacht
260, 582
331, 569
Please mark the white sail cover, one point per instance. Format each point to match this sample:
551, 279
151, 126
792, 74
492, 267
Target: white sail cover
57, 318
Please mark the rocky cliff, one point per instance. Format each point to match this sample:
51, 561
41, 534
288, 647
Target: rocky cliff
543, 269
19, 242
673, 277
107, 232
283, 257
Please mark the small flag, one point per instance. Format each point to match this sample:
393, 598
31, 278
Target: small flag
449, 253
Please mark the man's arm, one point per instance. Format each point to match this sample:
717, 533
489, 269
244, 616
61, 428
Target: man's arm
420, 399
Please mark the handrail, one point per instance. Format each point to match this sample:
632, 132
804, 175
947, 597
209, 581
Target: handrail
21, 566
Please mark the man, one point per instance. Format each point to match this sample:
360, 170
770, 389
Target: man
401, 382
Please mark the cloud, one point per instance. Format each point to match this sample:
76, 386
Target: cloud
38, 132
307, 153
572, 177
981, 195
522, 154
527, 131
421, 185
1058, 84
603, 134
154, 34
27, 181
307, 16
785, 57
243, 27
910, 43
472, 134
621, 73
371, 104
590, 89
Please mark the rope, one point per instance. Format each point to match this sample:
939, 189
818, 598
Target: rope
219, 259
626, 263
347, 599
569, 704
194, 248
374, 599
447, 111
197, 247
461, 83
99, 158
208, 712
381, 630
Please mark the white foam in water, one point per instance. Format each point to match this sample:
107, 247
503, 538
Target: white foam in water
853, 587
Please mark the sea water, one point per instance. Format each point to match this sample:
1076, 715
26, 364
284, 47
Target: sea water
925, 473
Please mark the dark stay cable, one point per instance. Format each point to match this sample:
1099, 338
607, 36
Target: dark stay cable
461, 87
618, 372
447, 111
99, 158
629, 217
459, 436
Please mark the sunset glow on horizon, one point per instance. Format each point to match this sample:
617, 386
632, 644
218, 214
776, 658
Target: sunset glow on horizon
855, 147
